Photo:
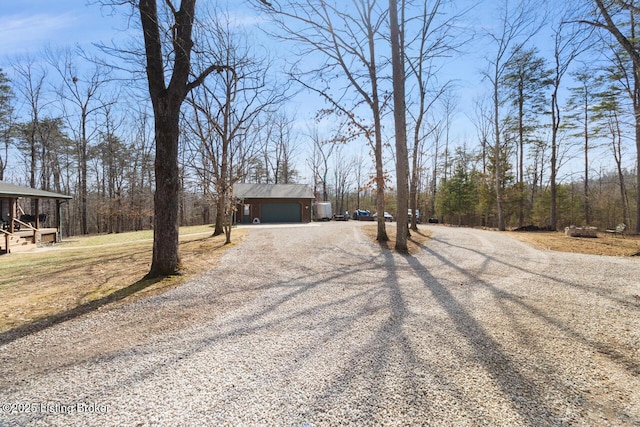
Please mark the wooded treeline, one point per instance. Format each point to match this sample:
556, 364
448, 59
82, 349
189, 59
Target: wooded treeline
557, 132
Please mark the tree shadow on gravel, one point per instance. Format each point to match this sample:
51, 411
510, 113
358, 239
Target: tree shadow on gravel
55, 319
627, 361
389, 344
505, 369
375, 361
251, 324
526, 398
593, 289
371, 362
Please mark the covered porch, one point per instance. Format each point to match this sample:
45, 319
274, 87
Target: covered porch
25, 230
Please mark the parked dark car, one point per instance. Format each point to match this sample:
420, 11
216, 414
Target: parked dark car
433, 220
340, 217
362, 215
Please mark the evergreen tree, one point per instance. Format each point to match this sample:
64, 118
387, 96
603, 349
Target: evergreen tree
526, 80
458, 195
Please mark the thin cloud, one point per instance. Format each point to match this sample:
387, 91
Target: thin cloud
245, 20
19, 33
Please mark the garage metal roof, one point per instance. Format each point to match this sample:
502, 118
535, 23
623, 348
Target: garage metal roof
14, 191
272, 191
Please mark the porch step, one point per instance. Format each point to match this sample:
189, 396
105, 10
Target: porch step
17, 244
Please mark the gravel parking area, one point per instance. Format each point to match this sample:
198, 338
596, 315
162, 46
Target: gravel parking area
315, 325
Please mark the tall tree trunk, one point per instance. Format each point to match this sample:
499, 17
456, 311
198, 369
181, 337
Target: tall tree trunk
521, 156
223, 185
84, 225
166, 260
636, 111
629, 45
400, 121
497, 153
380, 184
637, 126
555, 123
166, 108
617, 155
218, 228
587, 202
413, 183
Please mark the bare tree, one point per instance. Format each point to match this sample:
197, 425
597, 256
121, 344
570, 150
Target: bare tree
29, 83
360, 176
225, 111
342, 173
283, 145
482, 123
434, 39
141, 190
400, 122
166, 58
568, 44
6, 120
322, 151
346, 35
435, 166
624, 31
80, 93
278, 148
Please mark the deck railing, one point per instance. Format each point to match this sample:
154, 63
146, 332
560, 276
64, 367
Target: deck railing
30, 227
7, 237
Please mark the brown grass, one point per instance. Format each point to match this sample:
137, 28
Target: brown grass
604, 244
414, 244
48, 286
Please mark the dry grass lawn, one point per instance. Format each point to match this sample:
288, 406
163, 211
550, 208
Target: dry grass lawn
82, 274
604, 244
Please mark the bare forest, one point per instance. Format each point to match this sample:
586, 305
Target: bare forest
549, 137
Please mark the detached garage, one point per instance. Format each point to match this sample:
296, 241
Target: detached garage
271, 203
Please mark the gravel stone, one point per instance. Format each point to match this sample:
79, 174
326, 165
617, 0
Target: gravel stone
315, 325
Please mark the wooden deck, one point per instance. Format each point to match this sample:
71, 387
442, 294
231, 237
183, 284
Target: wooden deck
23, 240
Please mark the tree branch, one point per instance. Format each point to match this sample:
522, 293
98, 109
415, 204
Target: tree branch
210, 69
153, 47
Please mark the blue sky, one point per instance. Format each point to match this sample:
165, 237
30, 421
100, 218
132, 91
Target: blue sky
28, 25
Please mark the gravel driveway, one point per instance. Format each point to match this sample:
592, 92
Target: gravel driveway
314, 325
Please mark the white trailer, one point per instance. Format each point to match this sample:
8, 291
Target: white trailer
322, 211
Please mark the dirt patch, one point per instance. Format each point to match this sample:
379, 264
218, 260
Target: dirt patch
414, 243
602, 245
